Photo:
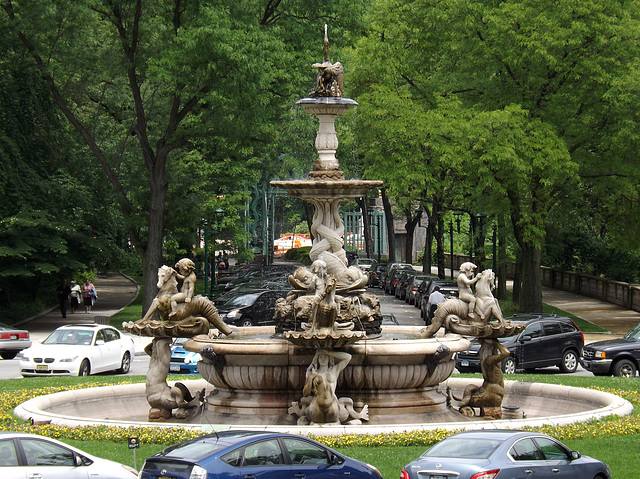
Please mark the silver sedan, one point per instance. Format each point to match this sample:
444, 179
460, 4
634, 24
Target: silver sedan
503, 454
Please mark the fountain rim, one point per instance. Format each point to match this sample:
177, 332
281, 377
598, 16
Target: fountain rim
610, 404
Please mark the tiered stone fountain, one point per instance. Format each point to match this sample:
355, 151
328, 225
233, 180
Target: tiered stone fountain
329, 361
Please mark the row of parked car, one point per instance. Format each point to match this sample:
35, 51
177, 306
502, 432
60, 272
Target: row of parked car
548, 340
483, 454
414, 287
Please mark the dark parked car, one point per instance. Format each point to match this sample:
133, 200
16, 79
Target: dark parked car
494, 454
617, 357
251, 309
374, 275
548, 340
448, 288
412, 287
422, 288
403, 281
249, 454
387, 273
393, 275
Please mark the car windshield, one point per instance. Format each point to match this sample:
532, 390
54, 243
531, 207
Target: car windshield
634, 333
242, 300
463, 447
69, 337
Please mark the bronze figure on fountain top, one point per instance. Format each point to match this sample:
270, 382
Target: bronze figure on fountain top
329, 82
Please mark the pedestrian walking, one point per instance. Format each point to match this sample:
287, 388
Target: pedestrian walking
76, 296
64, 295
89, 296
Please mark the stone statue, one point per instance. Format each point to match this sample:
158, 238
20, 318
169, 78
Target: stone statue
487, 397
487, 320
320, 405
465, 282
478, 315
181, 315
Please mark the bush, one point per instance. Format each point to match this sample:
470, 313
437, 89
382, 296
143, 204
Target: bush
299, 254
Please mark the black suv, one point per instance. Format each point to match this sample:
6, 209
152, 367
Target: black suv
548, 340
617, 357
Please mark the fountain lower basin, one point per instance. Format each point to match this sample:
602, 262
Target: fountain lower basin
126, 406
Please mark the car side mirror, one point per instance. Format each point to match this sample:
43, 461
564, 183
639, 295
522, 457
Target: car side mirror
525, 338
99, 342
334, 460
575, 455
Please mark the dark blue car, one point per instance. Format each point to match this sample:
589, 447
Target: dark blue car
255, 454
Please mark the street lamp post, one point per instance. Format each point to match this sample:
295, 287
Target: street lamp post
207, 263
451, 245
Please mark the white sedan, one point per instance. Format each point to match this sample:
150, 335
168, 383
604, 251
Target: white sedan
30, 455
79, 350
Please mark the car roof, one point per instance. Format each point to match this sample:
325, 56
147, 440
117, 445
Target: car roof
535, 317
87, 326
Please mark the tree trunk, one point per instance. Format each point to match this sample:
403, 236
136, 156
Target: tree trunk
531, 294
501, 264
410, 227
426, 256
366, 224
438, 227
391, 236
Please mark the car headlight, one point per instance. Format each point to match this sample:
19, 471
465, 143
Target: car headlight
198, 473
600, 355
233, 314
68, 360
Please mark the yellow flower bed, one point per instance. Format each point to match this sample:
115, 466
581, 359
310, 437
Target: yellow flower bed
614, 426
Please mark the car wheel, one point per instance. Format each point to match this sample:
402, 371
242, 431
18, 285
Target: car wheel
125, 366
85, 368
246, 322
509, 366
9, 355
624, 368
569, 362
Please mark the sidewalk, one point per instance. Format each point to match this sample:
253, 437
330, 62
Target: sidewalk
616, 320
115, 292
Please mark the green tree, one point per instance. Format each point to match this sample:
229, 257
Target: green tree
540, 84
146, 83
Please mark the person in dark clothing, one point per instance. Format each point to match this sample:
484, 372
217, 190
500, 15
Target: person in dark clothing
64, 290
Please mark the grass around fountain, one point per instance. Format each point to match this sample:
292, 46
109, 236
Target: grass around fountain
612, 440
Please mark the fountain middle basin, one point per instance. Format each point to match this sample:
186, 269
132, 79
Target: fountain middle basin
257, 376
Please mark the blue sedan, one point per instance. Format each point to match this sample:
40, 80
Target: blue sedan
255, 454
183, 361
503, 454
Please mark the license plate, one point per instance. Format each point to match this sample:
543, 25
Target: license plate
464, 362
438, 477
13, 336
174, 368
42, 367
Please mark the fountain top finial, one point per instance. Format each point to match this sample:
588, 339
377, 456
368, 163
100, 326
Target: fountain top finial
329, 80
326, 45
